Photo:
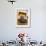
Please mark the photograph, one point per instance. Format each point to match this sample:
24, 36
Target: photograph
23, 17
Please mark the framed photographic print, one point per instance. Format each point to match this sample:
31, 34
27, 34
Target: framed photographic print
23, 17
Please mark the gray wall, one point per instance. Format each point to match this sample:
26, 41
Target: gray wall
8, 30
